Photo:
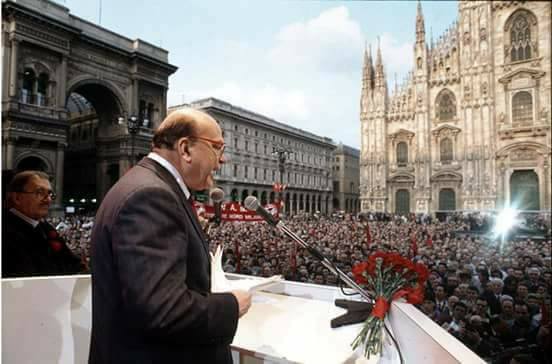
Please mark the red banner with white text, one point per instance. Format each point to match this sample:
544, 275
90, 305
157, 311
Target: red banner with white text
233, 211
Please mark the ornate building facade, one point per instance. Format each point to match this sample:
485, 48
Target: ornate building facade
263, 154
346, 179
68, 89
470, 126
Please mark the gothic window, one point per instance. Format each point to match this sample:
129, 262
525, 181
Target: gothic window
446, 150
520, 38
29, 79
522, 107
521, 32
446, 106
402, 154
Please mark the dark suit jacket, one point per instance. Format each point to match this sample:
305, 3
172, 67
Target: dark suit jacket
27, 251
151, 300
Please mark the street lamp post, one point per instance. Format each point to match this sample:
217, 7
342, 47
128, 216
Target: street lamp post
133, 127
282, 155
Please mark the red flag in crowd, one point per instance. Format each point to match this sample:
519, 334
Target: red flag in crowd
413, 245
429, 241
368, 236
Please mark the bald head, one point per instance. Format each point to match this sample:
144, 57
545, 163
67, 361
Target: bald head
181, 123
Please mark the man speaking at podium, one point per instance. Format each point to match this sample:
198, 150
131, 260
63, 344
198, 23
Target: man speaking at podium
151, 299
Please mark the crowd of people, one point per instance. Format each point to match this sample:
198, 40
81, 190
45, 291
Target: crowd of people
494, 296
76, 230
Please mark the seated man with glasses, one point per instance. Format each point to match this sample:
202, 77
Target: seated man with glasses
30, 245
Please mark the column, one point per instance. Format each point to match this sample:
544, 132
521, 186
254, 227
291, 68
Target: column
133, 108
546, 190
13, 67
60, 160
10, 153
6, 54
62, 84
163, 112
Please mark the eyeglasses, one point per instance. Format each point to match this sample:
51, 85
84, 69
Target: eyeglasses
42, 194
217, 145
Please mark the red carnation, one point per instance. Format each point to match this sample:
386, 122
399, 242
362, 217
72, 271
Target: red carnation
56, 245
416, 295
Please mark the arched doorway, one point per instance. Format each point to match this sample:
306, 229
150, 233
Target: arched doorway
524, 190
234, 195
245, 193
402, 201
263, 198
32, 163
97, 153
447, 199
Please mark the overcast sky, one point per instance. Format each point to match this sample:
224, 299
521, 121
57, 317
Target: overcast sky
299, 62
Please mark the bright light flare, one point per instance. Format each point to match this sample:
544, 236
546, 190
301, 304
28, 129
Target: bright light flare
505, 220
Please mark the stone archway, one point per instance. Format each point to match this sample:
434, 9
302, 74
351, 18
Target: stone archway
32, 163
92, 164
524, 190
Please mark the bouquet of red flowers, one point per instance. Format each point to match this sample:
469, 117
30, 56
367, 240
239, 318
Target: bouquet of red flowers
386, 276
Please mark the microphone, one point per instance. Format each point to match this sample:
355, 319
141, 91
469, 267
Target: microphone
252, 204
217, 195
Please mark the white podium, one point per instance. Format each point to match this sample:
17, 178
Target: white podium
47, 320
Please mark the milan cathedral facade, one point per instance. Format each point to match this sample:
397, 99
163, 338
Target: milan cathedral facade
470, 127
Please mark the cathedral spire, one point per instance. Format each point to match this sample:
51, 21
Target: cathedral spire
368, 69
420, 27
380, 76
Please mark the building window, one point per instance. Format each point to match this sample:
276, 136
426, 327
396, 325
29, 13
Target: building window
246, 131
402, 154
265, 151
256, 147
235, 127
235, 170
255, 173
520, 39
245, 171
446, 106
236, 143
264, 174
42, 89
522, 107
29, 79
446, 150
246, 146
273, 175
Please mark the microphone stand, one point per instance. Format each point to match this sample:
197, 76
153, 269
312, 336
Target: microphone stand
325, 262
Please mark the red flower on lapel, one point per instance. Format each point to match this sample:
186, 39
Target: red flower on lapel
53, 241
